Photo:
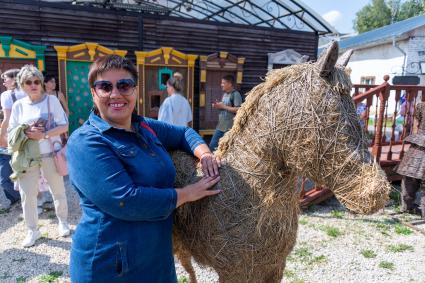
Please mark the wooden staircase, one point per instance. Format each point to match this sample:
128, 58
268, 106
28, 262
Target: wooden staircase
387, 122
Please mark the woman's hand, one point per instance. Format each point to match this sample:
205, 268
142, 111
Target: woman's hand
197, 190
35, 133
210, 164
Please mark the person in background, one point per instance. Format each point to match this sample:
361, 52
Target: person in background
412, 166
229, 105
44, 120
50, 88
175, 109
120, 167
8, 98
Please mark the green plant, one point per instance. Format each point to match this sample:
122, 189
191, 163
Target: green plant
183, 280
318, 259
332, 231
303, 253
303, 221
368, 253
386, 265
402, 230
298, 281
399, 248
51, 277
289, 273
383, 228
337, 214
21, 279
3, 211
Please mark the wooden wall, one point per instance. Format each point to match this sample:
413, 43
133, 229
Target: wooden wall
45, 23
49, 24
196, 37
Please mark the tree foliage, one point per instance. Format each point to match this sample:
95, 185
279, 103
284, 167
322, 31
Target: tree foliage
380, 13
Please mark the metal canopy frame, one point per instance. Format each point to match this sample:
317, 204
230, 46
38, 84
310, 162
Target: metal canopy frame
283, 14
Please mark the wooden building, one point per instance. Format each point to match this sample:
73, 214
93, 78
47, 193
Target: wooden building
242, 29
16, 53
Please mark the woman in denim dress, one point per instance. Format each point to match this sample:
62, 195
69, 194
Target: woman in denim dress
120, 167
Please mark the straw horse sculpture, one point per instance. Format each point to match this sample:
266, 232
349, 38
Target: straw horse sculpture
300, 122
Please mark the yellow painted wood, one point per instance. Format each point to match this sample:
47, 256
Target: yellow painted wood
203, 76
40, 64
2, 53
241, 60
208, 132
239, 77
202, 99
15, 54
223, 54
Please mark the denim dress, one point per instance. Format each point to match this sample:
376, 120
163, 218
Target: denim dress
125, 182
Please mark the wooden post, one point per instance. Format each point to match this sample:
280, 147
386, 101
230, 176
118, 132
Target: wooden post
383, 96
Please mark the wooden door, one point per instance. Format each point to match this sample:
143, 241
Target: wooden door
80, 101
9, 63
208, 116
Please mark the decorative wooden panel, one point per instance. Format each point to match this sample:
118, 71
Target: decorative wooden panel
73, 64
155, 67
16, 53
212, 68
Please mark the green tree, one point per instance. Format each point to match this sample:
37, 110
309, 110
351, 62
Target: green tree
380, 13
410, 9
372, 16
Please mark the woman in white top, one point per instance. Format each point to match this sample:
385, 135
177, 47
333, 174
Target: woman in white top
175, 109
34, 110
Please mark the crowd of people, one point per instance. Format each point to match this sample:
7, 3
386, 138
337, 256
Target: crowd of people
32, 121
137, 195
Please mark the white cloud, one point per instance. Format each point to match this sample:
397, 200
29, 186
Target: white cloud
332, 17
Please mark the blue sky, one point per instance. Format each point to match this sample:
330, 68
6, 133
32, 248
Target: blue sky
339, 13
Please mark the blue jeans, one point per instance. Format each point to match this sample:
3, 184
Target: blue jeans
215, 139
5, 183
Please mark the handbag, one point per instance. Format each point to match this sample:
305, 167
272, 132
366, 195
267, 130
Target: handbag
59, 156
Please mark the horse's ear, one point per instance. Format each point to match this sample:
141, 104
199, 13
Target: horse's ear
344, 58
328, 59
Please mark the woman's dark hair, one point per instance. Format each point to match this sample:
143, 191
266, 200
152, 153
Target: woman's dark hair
48, 77
176, 83
110, 62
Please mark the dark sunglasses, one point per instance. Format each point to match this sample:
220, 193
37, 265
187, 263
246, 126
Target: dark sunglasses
124, 87
29, 82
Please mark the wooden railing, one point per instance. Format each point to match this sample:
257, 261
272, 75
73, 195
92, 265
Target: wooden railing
388, 120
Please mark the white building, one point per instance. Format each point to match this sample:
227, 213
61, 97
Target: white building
394, 50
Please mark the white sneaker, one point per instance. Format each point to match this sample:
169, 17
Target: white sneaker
31, 237
63, 229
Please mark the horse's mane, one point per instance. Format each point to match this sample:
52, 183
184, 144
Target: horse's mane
306, 73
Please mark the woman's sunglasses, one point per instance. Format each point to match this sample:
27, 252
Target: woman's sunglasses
29, 82
124, 86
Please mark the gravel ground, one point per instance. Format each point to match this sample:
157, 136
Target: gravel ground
333, 246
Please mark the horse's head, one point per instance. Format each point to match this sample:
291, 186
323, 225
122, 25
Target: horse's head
323, 137
303, 118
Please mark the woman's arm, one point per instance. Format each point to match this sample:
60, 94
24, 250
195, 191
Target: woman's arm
63, 102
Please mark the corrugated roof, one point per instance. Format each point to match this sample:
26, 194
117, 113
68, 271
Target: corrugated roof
284, 14
383, 34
